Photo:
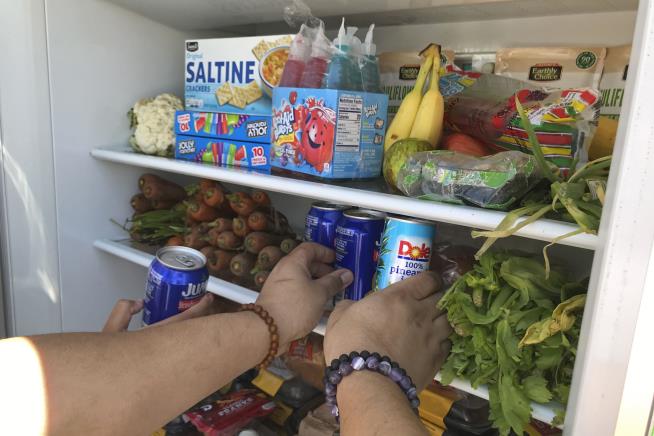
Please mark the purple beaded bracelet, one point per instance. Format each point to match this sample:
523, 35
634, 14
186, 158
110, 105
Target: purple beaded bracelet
355, 361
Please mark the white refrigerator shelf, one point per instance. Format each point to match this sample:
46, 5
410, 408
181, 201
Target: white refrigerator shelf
368, 194
135, 253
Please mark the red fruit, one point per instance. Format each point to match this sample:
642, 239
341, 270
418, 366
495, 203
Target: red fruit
465, 144
292, 97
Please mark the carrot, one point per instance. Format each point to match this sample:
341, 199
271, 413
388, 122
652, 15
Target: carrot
242, 203
175, 240
208, 252
149, 178
288, 245
161, 204
201, 212
220, 260
221, 224
214, 196
164, 190
260, 278
194, 240
242, 264
240, 227
229, 241
261, 198
256, 241
269, 256
140, 204
260, 222
205, 184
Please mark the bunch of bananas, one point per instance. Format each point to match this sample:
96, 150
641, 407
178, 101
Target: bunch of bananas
420, 116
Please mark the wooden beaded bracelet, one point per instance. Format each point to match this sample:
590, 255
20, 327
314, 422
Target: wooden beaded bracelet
272, 329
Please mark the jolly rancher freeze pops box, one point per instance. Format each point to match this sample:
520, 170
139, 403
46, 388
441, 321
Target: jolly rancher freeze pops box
228, 90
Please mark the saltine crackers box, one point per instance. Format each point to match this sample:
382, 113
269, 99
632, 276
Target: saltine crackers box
234, 75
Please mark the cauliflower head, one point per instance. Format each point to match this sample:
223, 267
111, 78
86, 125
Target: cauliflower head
153, 122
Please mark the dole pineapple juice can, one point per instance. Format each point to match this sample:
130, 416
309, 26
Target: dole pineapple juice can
404, 251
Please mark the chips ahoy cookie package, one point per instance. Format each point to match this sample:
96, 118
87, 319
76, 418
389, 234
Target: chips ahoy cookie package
326, 133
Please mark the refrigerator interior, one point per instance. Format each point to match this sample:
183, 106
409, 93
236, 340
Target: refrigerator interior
84, 63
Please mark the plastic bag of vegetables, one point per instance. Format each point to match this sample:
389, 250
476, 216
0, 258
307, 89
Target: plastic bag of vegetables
493, 182
153, 122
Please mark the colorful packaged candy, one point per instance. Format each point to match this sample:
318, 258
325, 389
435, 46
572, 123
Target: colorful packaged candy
223, 152
235, 127
234, 75
331, 134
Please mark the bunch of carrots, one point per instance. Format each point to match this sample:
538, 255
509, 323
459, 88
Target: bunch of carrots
240, 233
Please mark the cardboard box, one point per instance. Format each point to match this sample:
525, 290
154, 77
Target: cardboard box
235, 127
328, 133
234, 75
223, 152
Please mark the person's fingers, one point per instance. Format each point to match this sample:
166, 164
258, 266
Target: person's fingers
419, 287
319, 269
442, 327
310, 252
429, 306
121, 315
201, 308
338, 311
334, 282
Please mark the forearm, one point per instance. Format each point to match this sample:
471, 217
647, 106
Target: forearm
372, 404
130, 383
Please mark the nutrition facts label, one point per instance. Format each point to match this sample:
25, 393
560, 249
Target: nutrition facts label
348, 128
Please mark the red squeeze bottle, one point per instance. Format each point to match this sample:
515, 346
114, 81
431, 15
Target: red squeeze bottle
316, 69
297, 58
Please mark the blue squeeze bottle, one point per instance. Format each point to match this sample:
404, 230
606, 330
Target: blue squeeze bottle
356, 56
369, 65
341, 67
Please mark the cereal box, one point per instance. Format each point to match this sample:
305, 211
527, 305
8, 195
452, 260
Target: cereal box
218, 125
234, 75
327, 133
223, 152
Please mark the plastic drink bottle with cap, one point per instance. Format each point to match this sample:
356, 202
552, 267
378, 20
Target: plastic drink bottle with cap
297, 57
316, 69
341, 68
369, 65
356, 55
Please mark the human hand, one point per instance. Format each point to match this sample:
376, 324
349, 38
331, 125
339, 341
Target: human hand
124, 310
298, 288
402, 322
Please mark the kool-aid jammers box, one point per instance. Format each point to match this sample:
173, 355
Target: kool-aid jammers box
328, 133
235, 127
234, 75
221, 152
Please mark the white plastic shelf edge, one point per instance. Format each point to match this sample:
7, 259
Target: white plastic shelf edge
544, 230
220, 287
236, 293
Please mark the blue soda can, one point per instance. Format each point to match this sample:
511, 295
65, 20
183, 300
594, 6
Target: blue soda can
356, 243
177, 279
404, 251
320, 223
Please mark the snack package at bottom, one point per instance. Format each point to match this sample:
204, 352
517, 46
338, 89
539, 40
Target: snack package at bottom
227, 416
553, 67
318, 422
483, 106
220, 152
491, 182
306, 358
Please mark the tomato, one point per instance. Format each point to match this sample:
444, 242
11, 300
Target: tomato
465, 144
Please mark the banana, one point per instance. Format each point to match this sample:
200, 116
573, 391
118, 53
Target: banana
428, 122
401, 124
